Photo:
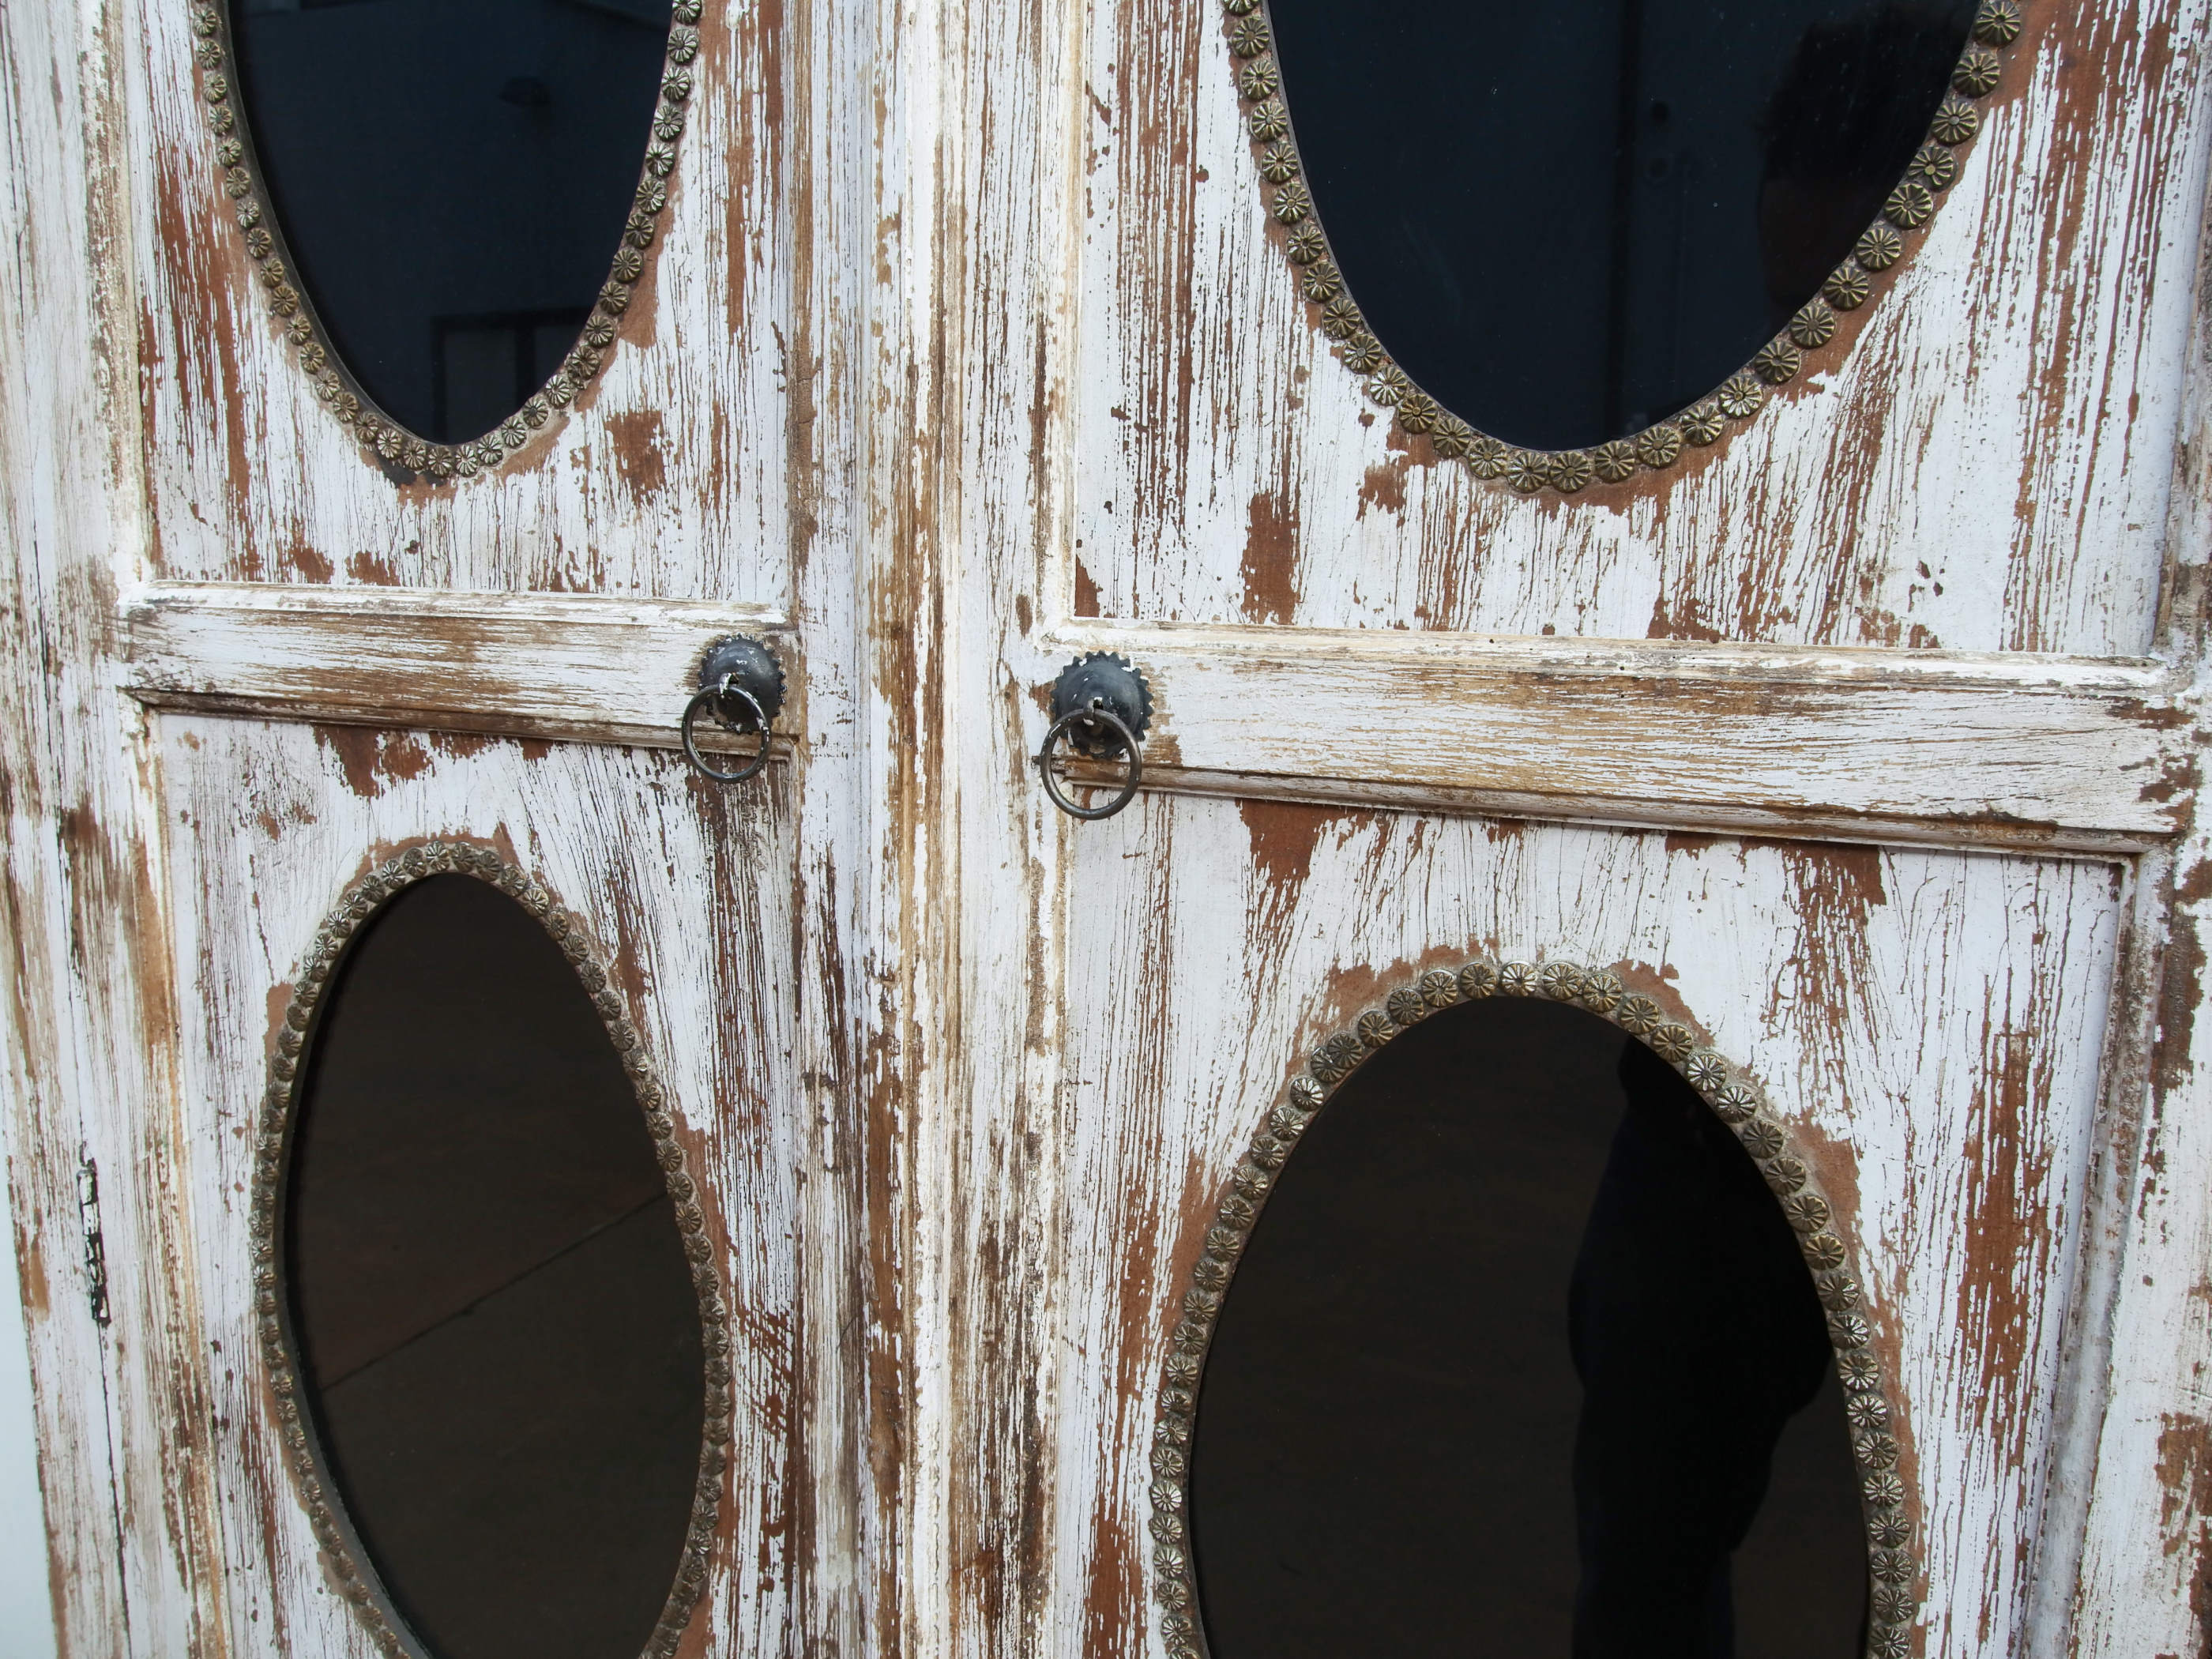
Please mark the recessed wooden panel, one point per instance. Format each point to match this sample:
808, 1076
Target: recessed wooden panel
494, 1319
1520, 1345
452, 181
1687, 174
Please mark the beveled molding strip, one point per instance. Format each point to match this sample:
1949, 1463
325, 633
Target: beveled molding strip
1887, 1502
2094, 756
1934, 168
570, 667
386, 442
2065, 754
348, 1562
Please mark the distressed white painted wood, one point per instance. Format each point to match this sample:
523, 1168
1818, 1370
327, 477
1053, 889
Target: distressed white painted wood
169, 437
964, 345
2076, 755
576, 666
2142, 1427
87, 1078
2079, 755
691, 904
687, 469
1928, 1025
1986, 468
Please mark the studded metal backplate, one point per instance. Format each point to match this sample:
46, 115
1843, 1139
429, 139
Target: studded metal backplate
386, 442
1886, 1503
1996, 26
348, 1564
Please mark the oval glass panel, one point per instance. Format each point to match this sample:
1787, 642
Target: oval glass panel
1522, 1356
1566, 222
492, 1316
453, 180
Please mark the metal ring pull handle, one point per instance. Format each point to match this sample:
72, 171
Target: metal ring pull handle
1096, 717
711, 700
1101, 707
741, 686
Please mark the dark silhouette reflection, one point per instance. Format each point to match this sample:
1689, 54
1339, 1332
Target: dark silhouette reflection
1522, 1355
1697, 1336
495, 1316
1570, 220
453, 178
1843, 124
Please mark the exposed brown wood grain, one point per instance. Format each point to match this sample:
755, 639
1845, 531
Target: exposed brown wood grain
2129, 1564
123, 1412
691, 906
1979, 465
965, 319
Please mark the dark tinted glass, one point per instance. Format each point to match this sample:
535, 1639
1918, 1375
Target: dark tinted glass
1523, 1359
489, 1292
452, 176
1569, 220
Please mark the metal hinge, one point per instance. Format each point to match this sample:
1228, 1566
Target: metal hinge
95, 1246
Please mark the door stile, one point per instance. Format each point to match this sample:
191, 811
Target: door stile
119, 1395
2131, 1517
844, 1393
975, 464
880, 607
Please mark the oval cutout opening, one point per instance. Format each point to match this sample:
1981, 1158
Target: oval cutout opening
453, 184
1522, 1352
493, 1321
1568, 223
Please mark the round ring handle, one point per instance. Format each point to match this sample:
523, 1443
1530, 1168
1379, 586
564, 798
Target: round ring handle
710, 699
1097, 714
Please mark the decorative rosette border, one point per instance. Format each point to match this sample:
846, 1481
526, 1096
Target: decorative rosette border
1934, 168
1894, 1599
348, 1564
389, 444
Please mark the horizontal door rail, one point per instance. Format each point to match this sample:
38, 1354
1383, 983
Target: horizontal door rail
2090, 756
571, 667
2074, 755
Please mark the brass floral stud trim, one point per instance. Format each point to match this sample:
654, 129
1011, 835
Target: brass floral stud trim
385, 439
334, 1533
1886, 1503
1996, 26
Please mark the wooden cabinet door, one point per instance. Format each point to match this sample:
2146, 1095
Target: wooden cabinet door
274, 660
1840, 750
1841, 756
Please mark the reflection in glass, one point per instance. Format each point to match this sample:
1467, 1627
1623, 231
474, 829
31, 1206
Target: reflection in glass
488, 1293
1569, 220
452, 176
1522, 1357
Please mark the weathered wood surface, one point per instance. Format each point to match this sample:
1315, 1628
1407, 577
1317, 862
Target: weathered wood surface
122, 1409
1928, 1024
1865, 745
691, 903
573, 666
703, 467
1992, 750
964, 321
684, 471
2139, 1481
1985, 468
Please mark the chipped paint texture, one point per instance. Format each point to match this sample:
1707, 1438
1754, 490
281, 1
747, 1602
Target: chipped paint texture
2143, 1511
962, 319
1948, 1113
2008, 399
670, 479
703, 963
